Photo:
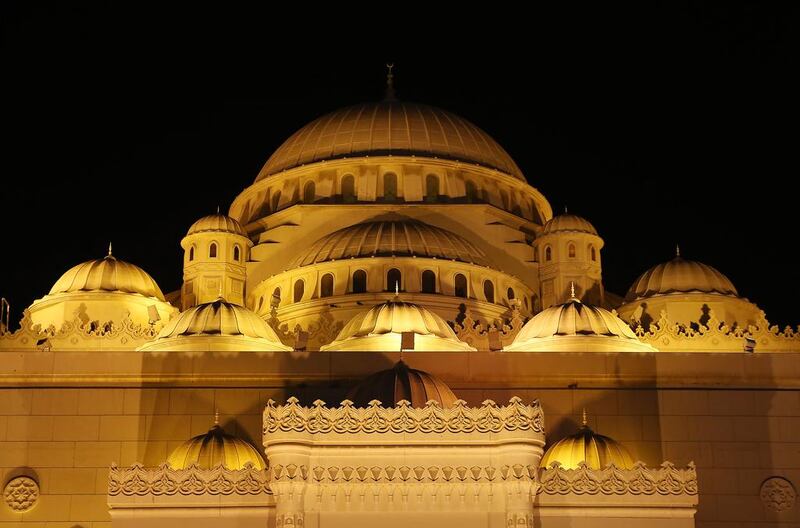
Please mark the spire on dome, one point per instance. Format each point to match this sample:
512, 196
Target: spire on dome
677, 250
584, 420
390, 94
109, 250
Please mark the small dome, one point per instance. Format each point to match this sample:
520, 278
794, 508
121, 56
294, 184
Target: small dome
390, 127
381, 327
218, 223
218, 319
213, 449
401, 237
680, 275
578, 327
110, 275
402, 383
568, 222
596, 450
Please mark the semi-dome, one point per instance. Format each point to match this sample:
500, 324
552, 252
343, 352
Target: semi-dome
402, 383
107, 274
217, 223
381, 328
215, 448
577, 327
397, 237
390, 127
596, 450
680, 275
568, 222
217, 325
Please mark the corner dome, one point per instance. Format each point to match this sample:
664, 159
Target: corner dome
577, 327
108, 274
217, 325
213, 449
680, 275
400, 237
402, 383
381, 327
218, 223
390, 127
596, 450
568, 222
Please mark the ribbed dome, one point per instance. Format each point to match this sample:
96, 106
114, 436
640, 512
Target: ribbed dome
579, 327
218, 318
680, 275
402, 383
402, 237
596, 450
568, 222
380, 329
390, 127
218, 223
213, 449
108, 274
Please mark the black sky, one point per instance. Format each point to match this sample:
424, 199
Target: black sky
661, 125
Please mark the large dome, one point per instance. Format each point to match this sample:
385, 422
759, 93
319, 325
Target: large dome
402, 383
109, 275
390, 127
680, 275
568, 222
381, 328
218, 223
399, 238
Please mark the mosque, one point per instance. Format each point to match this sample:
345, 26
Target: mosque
390, 325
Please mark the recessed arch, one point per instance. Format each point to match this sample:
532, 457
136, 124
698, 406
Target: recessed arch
309, 192
212, 250
431, 188
326, 285
237, 253
359, 281
390, 187
488, 290
394, 280
460, 283
428, 281
548, 254
571, 250
299, 290
348, 188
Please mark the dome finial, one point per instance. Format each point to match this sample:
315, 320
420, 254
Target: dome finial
217, 208
677, 250
390, 95
109, 250
396, 288
566, 211
572, 291
216, 416
584, 420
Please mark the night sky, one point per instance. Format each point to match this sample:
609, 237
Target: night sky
659, 125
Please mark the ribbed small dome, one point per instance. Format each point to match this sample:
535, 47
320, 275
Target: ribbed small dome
108, 274
217, 223
569, 326
680, 275
596, 450
568, 222
218, 318
380, 329
390, 127
401, 237
213, 449
402, 383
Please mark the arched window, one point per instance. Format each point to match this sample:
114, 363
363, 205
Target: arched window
309, 192
428, 281
276, 201
571, 250
504, 199
299, 289
348, 189
236, 253
389, 187
548, 254
326, 285
460, 283
510, 294
360, 281
275, 301
394, 280
471, 192
488, 291
431, 188
212, 250
593, 253
191, 253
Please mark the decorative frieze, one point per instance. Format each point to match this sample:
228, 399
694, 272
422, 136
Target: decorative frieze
641, 480
21, 494
163, 480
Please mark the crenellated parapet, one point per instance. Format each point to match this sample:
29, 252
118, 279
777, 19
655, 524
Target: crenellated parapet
716, 336
640, 480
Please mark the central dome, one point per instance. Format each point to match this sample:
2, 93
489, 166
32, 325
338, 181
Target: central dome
402, 237
390, 128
